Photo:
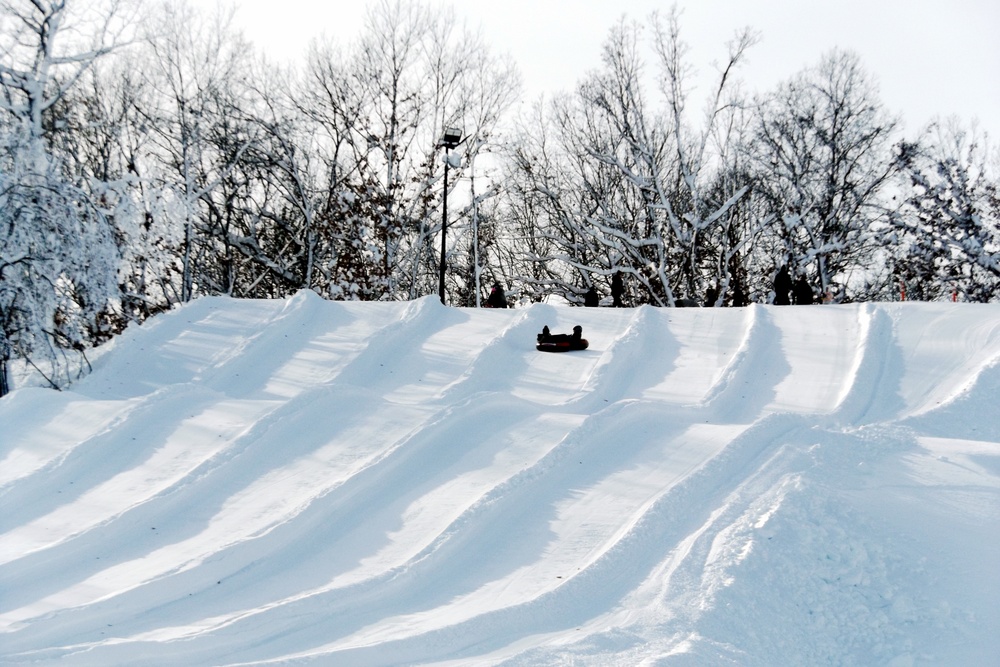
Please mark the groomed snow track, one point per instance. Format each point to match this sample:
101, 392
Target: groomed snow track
317, 483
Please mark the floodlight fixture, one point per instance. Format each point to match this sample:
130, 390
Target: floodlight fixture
452, 137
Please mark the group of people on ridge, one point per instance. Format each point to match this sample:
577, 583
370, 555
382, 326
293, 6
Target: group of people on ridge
592, 299
786, 292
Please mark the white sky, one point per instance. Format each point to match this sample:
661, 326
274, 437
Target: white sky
930, 58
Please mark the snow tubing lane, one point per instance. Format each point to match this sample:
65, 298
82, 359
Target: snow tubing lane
562, 346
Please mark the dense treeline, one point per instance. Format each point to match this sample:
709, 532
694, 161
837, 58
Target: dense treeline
148, 155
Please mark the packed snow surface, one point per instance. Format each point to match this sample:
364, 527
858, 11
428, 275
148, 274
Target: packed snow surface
316, 483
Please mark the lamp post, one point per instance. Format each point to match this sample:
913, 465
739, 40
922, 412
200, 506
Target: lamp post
451, 138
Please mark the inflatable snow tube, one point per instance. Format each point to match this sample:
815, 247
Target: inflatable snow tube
562, 345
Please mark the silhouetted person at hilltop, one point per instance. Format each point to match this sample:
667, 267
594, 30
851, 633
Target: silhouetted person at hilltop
711, 296
802, 293
782, 286
6, 352
617, 289
739, 297
497, 298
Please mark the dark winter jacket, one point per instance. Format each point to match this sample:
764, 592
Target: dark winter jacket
782, 286
497, 298
802, 293
617, 289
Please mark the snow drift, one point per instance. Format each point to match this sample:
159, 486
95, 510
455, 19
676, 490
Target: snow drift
309, 482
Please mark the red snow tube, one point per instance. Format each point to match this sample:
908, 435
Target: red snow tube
562, 345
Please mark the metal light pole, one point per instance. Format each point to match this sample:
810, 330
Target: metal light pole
475, 218
451, 138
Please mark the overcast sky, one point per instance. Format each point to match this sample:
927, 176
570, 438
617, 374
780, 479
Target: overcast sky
929, 58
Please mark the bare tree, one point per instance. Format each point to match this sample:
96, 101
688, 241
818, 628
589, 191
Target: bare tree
822, 152
347, 255
40, 60
112, 147
58, 257
637, 190
381, 107
199, 72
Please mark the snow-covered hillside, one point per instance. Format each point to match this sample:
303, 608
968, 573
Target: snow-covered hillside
315, 483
